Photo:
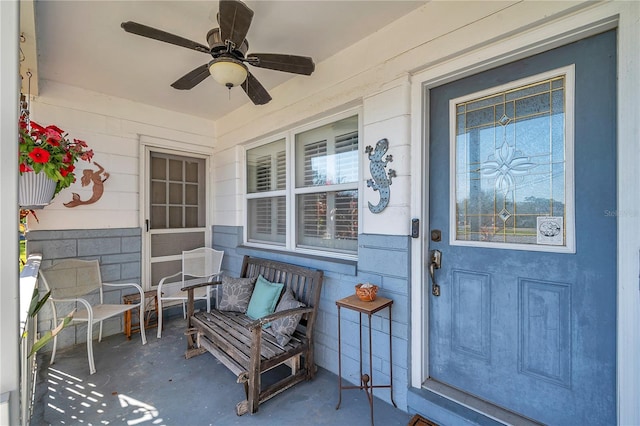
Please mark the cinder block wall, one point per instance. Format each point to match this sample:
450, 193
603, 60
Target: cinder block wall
383, 260
119, 253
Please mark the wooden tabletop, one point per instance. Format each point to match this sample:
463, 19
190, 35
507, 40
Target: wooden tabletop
353, 302
135, 297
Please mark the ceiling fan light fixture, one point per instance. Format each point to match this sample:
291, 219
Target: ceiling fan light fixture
228, 72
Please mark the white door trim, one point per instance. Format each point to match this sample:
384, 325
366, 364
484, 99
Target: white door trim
604, 16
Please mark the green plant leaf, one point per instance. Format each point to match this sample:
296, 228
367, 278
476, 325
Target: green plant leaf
51, 333
36, 304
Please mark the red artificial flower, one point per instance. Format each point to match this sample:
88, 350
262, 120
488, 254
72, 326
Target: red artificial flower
53, 140
87, 155
66, 170
53, 135
55, 129
80, 143
68, 158
25, 168
39, 155
36, 129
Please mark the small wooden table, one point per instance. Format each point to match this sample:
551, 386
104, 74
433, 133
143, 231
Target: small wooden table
131, 322
366, 380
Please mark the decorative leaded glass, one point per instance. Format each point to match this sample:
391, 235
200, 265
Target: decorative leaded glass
510, 165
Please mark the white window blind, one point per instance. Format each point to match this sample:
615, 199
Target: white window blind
263, 216
347, 157
315, 163
263, 173
267, 167
281, 169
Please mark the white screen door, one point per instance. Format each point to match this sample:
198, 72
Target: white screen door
175, 211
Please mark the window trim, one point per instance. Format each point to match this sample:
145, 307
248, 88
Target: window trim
291, 192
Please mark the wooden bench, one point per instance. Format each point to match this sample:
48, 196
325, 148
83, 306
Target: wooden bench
242, 345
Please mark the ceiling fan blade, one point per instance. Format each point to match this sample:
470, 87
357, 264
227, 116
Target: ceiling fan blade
192, 78
287, 63
156, 34
256, 92
234, 19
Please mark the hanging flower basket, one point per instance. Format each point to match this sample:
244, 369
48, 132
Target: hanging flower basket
46, 162
35, 190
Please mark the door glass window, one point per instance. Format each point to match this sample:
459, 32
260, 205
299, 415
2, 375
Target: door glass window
512, 166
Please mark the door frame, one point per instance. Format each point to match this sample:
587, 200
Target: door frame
148, 144
620, 15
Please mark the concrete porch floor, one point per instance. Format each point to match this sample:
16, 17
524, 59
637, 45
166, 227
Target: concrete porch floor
155, 385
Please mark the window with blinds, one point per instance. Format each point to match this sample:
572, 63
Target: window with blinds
347, 157
267, 220
266, 178
263, 174
323, 198
315, 163
267, 167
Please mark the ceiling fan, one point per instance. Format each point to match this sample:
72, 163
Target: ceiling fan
228, 46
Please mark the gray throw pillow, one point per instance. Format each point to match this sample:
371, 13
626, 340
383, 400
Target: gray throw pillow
236, 294
283, 328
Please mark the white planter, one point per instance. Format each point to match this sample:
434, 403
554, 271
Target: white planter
35, 190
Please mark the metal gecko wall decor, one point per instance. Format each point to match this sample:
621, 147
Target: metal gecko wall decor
90, 176
381, 179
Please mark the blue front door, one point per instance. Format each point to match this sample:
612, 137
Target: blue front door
522, 189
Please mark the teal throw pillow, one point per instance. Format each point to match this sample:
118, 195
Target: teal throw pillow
264, 298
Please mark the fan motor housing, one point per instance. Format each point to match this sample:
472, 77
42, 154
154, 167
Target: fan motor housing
217, 45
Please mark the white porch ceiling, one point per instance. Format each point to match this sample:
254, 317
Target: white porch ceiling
81, 43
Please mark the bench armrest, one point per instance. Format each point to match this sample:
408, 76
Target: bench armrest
194, 286
190, 299
274, 316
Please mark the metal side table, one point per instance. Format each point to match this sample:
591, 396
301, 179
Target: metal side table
366, 380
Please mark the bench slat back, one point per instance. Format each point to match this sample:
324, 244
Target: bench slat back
305, 283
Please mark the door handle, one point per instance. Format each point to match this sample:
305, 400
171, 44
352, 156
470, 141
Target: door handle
434, 263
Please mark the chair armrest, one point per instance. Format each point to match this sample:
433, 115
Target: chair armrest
162, 280
274, 316
194, 286
123, 285
88, 306
137, 286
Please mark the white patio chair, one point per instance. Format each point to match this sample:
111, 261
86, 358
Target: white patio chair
198, 265
73, 281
